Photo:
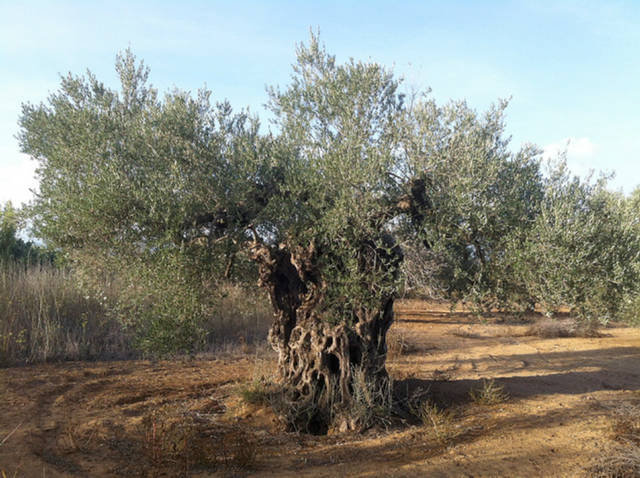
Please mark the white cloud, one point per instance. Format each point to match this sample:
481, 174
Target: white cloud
582, 147
17, 180
581, 155
576, 148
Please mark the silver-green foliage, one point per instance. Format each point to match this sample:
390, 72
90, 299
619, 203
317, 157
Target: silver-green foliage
340, 130
583, 249
482, 196
124, 177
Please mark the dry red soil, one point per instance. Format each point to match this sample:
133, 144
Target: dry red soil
187, 418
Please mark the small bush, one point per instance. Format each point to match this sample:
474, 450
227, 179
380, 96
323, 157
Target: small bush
440, 423
488, 394
256, 392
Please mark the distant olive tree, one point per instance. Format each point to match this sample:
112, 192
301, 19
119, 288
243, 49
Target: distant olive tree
582, 251
13, 248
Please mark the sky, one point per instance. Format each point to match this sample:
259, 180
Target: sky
571, 68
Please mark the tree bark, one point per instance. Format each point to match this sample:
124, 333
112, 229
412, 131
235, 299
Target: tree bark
325, 364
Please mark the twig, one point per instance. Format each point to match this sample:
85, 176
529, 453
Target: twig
7, 437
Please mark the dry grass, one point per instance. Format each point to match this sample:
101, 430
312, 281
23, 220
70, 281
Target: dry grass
241, 319
626, 425
622, 459
46, 317
618, 461
550, 328
174, 438
466, 334
17, 469
397, 342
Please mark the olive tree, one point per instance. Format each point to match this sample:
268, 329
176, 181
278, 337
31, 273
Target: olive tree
583, 249
173, 193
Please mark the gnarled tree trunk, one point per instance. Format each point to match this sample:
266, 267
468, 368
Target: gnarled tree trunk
325, 364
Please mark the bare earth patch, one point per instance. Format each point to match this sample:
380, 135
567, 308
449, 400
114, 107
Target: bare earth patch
186, 418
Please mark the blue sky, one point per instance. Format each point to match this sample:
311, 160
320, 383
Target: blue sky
572, 68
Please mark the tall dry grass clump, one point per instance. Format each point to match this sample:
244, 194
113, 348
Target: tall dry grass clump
45, 317
241, 317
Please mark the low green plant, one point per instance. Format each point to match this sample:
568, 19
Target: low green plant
256, 392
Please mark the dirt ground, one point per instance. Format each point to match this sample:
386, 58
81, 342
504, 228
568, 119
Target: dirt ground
187, 418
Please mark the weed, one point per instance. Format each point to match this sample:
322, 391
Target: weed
549, 328
626, 424
440, 423
397, 344
489, 393
620, 461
